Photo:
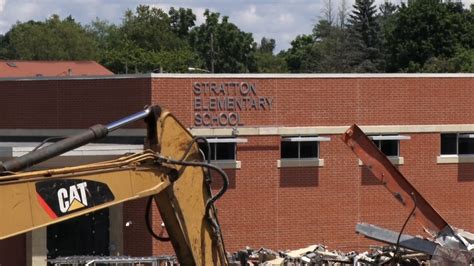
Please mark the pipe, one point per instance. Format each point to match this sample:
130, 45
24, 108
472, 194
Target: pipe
93, 133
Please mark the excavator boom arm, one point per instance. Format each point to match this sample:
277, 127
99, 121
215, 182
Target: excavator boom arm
171, 170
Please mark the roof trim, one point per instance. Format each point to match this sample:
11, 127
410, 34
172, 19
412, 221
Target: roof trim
250, 76
315, 76
134, 76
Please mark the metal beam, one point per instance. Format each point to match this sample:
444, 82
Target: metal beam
394, 181
390, 237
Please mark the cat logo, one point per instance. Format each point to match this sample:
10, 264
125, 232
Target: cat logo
72, 199
59, 197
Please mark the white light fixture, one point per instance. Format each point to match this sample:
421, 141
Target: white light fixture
305, 139
393, 137
227, 140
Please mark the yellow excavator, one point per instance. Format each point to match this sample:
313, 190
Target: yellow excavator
171, 171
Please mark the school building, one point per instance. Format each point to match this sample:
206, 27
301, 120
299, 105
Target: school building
293, 182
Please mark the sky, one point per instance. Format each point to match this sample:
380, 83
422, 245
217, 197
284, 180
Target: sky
281, 20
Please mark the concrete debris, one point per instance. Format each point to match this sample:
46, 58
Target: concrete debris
320, 255
114, 260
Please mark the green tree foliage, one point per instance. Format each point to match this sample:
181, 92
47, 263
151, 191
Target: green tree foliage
149, 40
337, 50
328, 49
303, 56
149, 28
182, 20
267, 45
4, 43
53, 39
223, 47
266, 61
419, 36
363, 22
428, 35
365, 36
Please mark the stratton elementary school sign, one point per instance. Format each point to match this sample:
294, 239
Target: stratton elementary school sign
220, 104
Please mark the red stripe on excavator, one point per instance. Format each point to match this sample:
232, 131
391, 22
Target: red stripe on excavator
46, 207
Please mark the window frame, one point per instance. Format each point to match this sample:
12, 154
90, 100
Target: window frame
299, 139
389, 137
459, 135
457, 157
214, 141
302, 161
394, 159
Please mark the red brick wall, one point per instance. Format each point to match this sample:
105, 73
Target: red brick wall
75, 103
284, 208
293, 207
336, 102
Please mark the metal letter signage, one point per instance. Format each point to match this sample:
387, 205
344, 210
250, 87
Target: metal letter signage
220, 104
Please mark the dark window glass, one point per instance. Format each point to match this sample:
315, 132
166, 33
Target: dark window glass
448, 144
219, 151
204, 149
377, 143
225, 151
308, 149
299, 149
289, 149
466, 146
389, 147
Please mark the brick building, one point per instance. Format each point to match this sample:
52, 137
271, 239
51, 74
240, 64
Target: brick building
293, 182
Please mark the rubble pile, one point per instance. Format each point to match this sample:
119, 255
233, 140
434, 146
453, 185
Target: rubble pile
321, 255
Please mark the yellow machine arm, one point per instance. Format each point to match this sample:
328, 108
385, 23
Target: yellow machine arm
171, 170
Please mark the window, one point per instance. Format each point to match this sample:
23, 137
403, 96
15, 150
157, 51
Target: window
300, 147
389, 144
301, 151
221, 148
457, 144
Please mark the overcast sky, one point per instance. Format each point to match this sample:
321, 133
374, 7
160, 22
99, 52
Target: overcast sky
281, 20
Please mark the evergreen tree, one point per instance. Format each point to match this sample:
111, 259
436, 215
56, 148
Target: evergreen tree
364, 29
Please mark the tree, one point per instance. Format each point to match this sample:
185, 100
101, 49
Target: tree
363, 22
364, 31
223, 46
429, 32
266, 61
266, 45
182, 20
150, 29
337, 53
386, 17
303, 56
342, 13
328, 11
4, 51
148, 40
54, 39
